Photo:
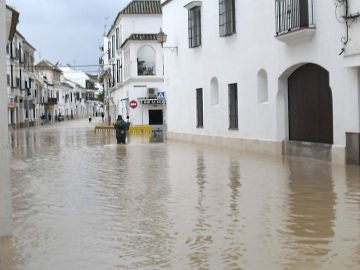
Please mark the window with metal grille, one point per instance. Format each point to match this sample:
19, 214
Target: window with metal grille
113, 75
113, 46
194, 27
293, 15
227, 17
233, 106
199, 108
117, 38
118, 74
109, 50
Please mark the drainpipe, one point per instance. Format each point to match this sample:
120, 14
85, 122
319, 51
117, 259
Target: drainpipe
5, 184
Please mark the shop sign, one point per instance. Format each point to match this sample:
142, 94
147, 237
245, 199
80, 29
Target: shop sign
152, 101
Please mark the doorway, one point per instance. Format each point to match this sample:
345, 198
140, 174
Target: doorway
155, 117
310, 105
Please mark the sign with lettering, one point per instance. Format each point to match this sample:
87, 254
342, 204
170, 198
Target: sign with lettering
152, 101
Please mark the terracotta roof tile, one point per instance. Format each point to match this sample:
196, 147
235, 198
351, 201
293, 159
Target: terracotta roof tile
142, 7
140, 37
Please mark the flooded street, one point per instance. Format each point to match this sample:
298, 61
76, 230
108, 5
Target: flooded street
82, 202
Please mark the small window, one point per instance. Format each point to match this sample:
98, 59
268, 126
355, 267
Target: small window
233, 106
227, 17
113, 46
118, 65
113, 75
117, 38
109, 50
199, 108
194, 27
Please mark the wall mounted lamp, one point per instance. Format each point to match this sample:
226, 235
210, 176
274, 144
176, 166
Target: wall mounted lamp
161, 38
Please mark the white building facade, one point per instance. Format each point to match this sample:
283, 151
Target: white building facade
133, 64
8, 22
84, 101
20, 81
271, 76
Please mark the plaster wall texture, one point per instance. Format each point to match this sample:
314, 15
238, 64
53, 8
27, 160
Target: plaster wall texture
239, 58
5, 185
133, 86
141, 24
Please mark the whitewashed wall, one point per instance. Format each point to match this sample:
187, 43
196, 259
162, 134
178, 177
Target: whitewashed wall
144, 24
133, 86
239, 58
5, 186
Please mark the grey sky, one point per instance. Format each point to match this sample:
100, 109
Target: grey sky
69, 31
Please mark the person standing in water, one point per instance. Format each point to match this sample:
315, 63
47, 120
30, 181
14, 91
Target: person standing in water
121, 128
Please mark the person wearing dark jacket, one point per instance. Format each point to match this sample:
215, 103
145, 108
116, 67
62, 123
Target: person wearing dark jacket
121, 128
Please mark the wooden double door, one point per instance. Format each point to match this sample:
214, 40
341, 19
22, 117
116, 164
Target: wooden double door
310, 105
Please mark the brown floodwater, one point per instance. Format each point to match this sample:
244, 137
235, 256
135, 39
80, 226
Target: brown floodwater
82, 202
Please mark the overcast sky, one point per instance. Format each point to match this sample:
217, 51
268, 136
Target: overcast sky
69, 31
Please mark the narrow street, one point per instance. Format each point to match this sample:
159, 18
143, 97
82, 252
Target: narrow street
82, 202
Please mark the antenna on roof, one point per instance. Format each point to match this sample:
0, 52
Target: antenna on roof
105, 25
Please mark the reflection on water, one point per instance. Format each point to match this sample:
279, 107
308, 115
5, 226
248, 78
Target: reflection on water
83, 202
311, 206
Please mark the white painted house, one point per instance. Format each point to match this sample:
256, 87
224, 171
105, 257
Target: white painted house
8, 22
133, 65
85, 103
279, 76
20, 75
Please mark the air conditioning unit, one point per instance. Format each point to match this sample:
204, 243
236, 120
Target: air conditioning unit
152, 92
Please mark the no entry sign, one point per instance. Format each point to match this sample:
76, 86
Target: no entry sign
133, 104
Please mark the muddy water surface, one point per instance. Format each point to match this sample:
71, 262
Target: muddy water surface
82, 202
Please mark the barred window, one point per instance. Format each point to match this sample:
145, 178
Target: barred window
118, 74
113, 46
199, 108
109, 50
226, 17
293, 14
233, 106
194, 27
117, 38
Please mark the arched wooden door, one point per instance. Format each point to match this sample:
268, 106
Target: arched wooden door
310, 105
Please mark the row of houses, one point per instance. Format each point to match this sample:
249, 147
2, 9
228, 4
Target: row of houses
41, 92
280, 76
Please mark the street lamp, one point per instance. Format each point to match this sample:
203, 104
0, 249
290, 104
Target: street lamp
161, 38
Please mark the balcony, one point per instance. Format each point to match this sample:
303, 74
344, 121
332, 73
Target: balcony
294, 20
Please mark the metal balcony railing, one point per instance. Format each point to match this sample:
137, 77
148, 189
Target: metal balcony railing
293, 15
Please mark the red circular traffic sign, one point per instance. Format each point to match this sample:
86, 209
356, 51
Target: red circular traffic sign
133, 104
